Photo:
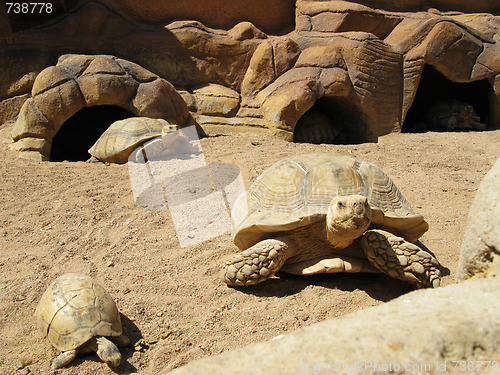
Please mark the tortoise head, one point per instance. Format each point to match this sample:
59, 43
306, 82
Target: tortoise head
170, 128
467, 111
348, 217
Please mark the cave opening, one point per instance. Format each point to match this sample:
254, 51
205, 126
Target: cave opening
438, 99
331, 120
82, 130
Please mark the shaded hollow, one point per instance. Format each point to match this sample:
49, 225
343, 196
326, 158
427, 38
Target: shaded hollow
330, 120
434, 88
82, 130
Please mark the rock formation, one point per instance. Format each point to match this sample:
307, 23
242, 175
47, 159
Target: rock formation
366, 68
79, 81
480, 251
342, 72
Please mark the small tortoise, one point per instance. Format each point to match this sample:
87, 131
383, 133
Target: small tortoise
453, 115
323, 213
78, 315
118, 141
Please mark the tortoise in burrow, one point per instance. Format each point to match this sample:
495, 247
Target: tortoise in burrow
121, 138
323, 213
453, 115
78, 315
317, 127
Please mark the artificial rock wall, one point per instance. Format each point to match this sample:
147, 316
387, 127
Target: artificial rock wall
355, 66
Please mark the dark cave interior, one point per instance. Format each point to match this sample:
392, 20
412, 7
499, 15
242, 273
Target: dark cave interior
82, 130
434, 87
331, 120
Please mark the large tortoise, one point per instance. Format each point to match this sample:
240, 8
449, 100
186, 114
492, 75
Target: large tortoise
319, 213
78, 315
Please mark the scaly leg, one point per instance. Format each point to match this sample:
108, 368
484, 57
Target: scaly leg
400, 259
259, 262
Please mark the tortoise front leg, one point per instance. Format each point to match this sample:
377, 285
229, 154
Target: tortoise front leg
400, 259
64, 359
259, 262
106, 350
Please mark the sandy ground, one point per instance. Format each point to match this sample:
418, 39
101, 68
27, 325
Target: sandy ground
81, 217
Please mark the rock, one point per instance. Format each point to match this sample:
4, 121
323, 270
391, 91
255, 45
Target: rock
48, 78
479, 255
176, 51
438, 41
288, 98
195, 55
189, 98
159, 99
9, 108
19, 70
246, 30
270, 60
216, 100
422, 38
428, 328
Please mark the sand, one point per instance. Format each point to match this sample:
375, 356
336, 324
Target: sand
81, 217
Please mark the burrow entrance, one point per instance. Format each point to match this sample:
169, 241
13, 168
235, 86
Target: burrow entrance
330, 120
82, 130
437, 98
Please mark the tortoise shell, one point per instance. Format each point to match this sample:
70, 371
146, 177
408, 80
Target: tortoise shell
118, 141
452, 115
73, 309
297, 191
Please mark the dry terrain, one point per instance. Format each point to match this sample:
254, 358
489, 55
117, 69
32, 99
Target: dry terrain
81, 217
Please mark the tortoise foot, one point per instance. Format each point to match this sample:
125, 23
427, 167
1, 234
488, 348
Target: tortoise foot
401, 259
256, 264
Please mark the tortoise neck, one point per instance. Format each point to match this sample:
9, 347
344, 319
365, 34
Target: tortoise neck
337, 238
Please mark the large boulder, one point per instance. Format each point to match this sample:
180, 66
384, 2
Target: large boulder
462, 47
479, 255
268, 15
